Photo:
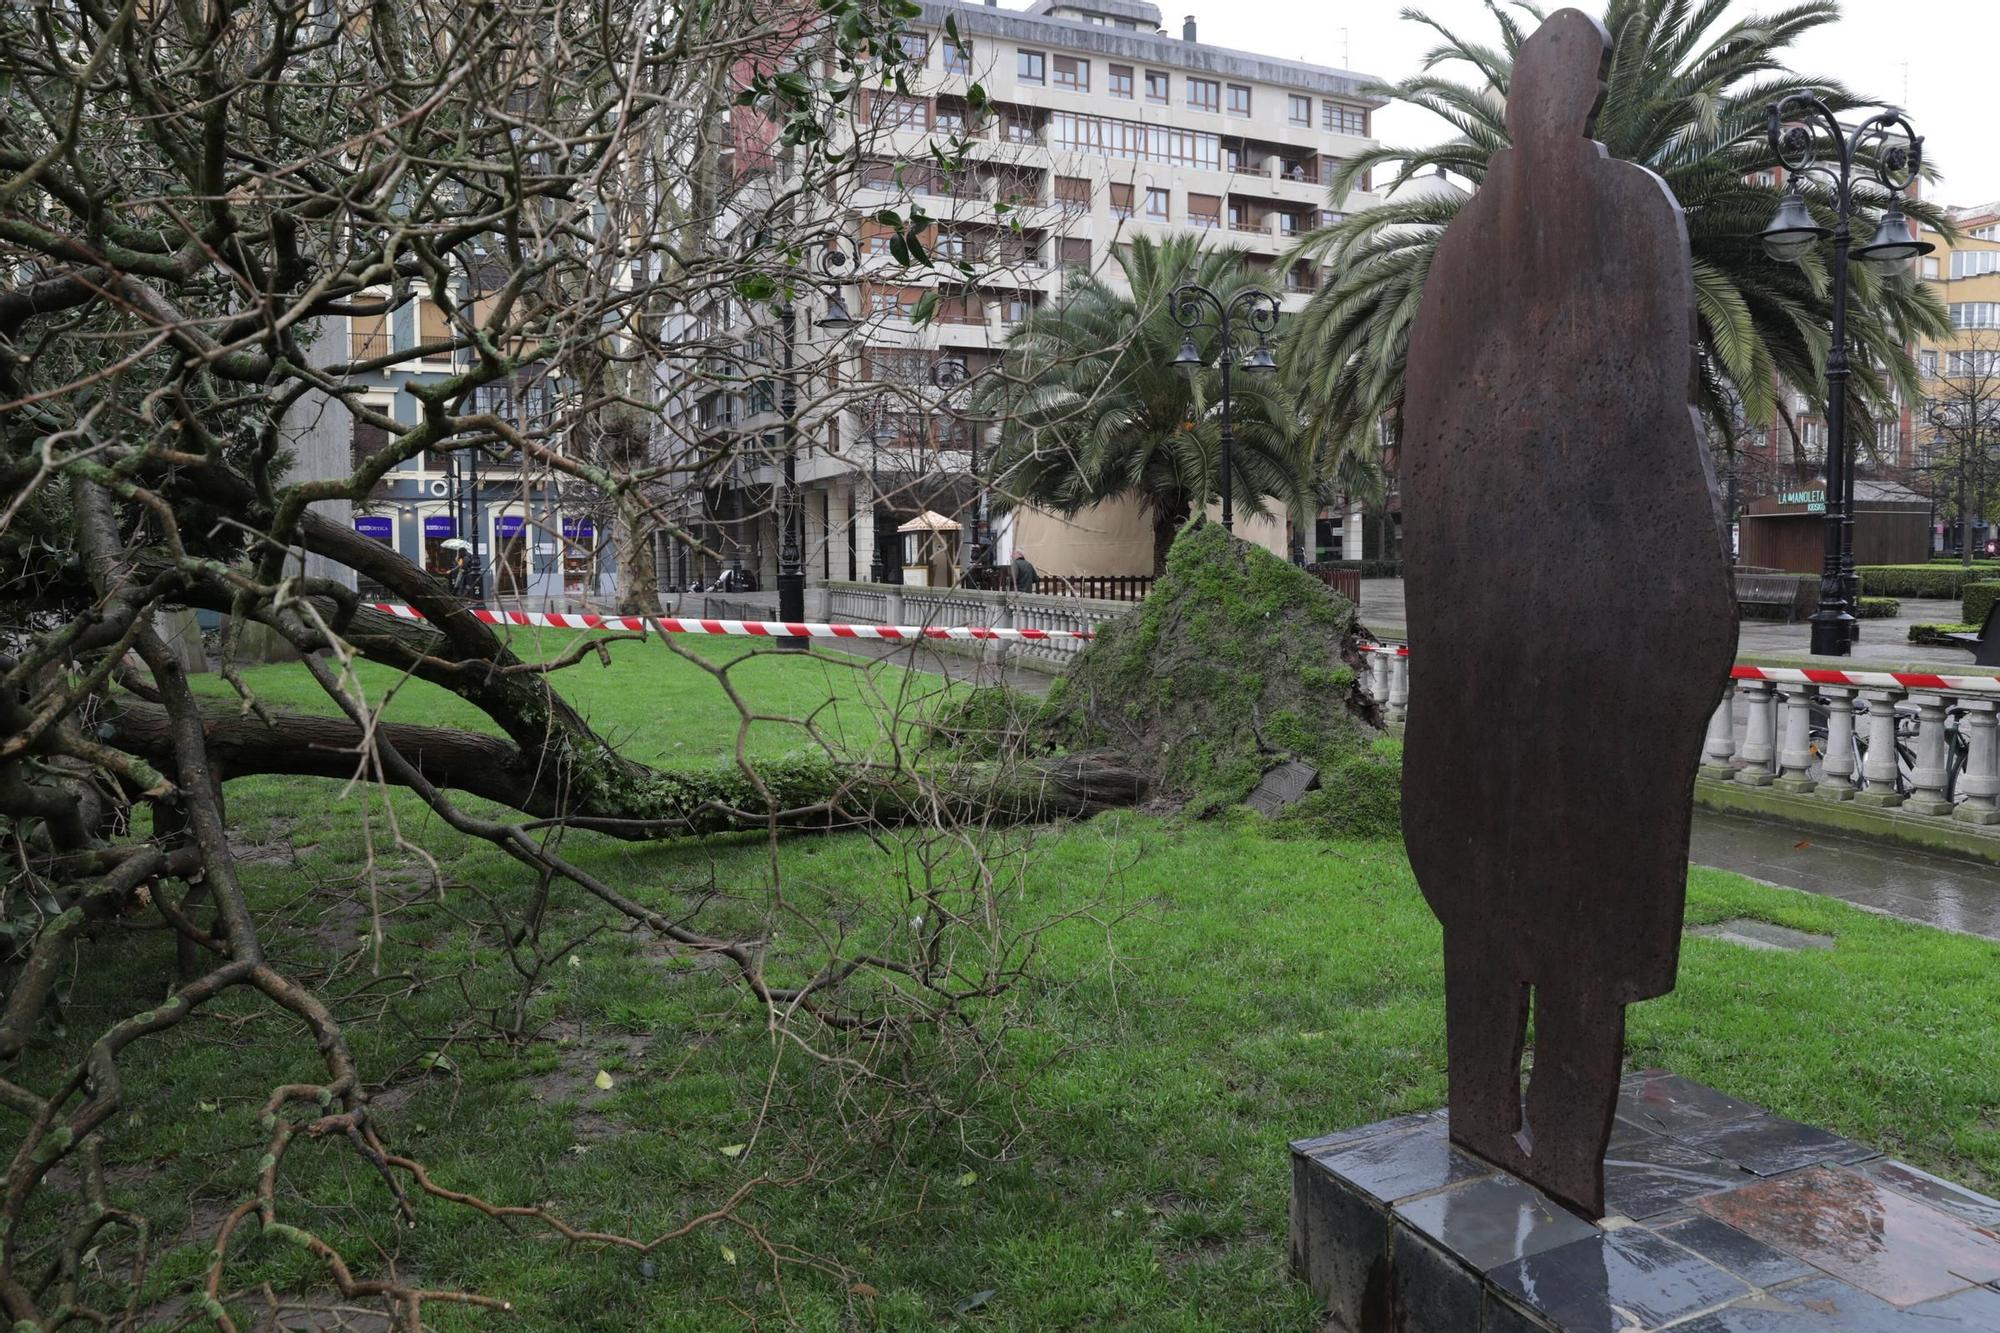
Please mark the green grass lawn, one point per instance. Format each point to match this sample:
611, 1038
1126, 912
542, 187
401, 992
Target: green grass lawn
1125, 1165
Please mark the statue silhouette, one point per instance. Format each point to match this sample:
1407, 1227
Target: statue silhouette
1570, 615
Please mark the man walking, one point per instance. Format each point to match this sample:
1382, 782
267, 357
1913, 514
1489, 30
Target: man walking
1024, 573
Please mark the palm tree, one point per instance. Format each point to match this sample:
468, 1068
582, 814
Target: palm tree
1686, 96
1092, 410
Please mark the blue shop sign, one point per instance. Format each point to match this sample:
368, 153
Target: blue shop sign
440, 525
508, 525
381, 529
578, 530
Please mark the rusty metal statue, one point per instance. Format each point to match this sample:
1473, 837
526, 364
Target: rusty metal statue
1570, 615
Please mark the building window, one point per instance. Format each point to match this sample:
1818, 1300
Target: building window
903, 113
1239, 100
1031, 67
1075, 251
958, 57
1327, 217
1072, 74
1156, 205
1015, 128
878, 245
1121, 81
1204, 94
1975, 315
1156, 86
1300, 110
1930, 267
1343, 119
1013, 309
1121, 200
916, 46
1073, 194
1927, 365
950, 122
1134, 140
1973, 263
950, 245
1204, 210
1288, 224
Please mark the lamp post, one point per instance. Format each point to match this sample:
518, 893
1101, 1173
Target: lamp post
947, 375
877, 430
1794, 233
835, 258
1196, 307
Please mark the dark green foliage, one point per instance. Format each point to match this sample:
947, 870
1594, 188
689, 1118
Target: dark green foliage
1371, 569
1878, 608
1234, 663
1918, 580
1935, 634
981, 723
1361, 796
1979, 599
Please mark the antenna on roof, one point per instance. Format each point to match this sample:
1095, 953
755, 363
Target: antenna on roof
1347, 61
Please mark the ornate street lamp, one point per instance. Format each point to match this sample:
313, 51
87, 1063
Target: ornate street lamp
1196, 307
1792, 234
948, 374
836, 257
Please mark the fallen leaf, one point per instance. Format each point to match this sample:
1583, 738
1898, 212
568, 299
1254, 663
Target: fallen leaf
864, 1291
438, 1060
1799, 846
604, 1080
729, 1256
975, 1300
968, 1180
734, 1150
575, 961
207, 1106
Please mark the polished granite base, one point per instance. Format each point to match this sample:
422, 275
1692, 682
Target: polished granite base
1723, 1218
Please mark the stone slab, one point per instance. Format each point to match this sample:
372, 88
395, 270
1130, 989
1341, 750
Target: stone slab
1727, 1219
1749, 933
1282, 786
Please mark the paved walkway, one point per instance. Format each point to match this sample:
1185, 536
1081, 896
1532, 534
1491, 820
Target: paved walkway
1901, 881
1882, 641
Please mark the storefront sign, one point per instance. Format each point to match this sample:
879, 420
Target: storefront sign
1813, 500
578, 530
440, 525
508, 526
381, 529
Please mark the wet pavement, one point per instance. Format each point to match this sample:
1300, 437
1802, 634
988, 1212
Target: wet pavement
1900, 881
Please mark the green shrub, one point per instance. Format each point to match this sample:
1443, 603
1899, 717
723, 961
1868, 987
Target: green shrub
1979, 599
1371, 569
1938, 581
1878, 608
1934, 634
1361, 796
981, 723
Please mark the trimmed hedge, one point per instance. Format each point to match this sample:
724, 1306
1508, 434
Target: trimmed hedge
1878, 608
1937, 581
1934, 634
1979, 599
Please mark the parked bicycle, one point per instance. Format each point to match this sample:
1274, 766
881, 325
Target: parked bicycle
1957, 744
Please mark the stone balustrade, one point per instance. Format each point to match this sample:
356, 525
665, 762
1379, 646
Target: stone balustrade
1932, 752
906, 604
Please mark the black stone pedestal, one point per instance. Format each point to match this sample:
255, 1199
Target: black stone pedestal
1723, 1218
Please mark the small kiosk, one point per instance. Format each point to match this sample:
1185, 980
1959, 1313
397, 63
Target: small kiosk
1787, 530
930, 550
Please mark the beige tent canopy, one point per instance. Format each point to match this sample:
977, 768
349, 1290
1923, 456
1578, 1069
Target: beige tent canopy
931, 521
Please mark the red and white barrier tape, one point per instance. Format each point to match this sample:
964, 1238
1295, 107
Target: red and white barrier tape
771, 629
1893, 680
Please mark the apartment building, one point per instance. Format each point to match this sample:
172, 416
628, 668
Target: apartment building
1100, 127
1961, 372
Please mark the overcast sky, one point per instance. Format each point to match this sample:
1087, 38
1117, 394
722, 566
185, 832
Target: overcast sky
1937, 60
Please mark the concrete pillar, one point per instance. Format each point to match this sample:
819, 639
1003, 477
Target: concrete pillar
1837, 776
1928, 774
1719, 747
1399, 691
1759, 734
1795, 755
1879, 771
864, 527
1980, 782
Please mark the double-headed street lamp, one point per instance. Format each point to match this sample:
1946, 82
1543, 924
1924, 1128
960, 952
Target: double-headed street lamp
1196, 307
1793, 234
835, 258
948, 374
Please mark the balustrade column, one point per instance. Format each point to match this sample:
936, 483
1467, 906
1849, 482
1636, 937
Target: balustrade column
1979, 783
1378, 677
1795, 753
1719, 748
1837, 776
1928, 774
1879, 772
1759, 734
1399, 692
